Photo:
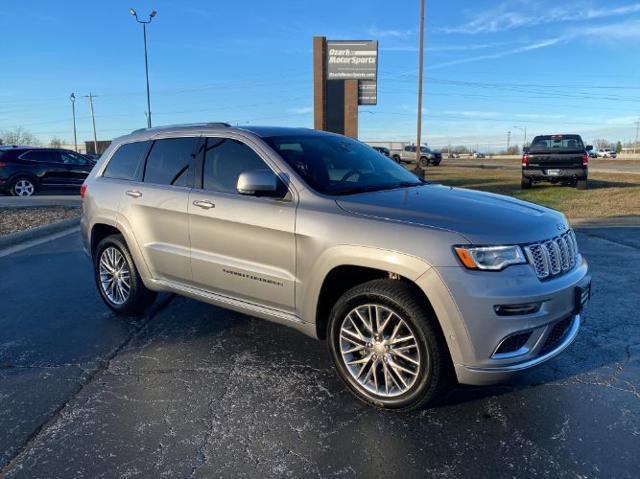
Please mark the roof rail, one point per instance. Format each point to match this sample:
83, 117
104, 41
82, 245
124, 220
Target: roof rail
219, 124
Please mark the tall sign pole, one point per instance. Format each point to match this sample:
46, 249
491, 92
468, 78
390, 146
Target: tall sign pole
420, 68
72, 98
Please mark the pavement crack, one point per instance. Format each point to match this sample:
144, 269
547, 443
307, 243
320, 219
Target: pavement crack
102, 365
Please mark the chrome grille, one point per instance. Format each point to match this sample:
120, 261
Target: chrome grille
555, 256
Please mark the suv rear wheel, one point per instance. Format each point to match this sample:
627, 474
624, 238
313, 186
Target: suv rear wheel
525, 183
581, 184
386, 347
117, 278
23, 186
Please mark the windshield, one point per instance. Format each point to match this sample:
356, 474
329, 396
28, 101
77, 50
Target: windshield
557, 142
336, 165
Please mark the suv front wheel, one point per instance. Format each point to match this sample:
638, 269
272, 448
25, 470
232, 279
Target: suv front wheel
117, 278
386, 347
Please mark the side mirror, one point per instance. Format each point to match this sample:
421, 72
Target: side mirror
589, 147
525, 149
259, 183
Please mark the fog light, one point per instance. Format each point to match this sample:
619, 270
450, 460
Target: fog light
517, 309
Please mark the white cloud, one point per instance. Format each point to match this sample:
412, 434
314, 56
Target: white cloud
376, 32
504, 17
300, 110
526, 48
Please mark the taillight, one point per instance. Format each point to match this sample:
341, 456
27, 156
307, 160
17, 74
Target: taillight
585, 160
83, 190
525, 159
2, 164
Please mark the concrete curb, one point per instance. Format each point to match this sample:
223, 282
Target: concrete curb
39, 232
606, 222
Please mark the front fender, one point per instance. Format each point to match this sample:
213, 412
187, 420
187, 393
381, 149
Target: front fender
410, 267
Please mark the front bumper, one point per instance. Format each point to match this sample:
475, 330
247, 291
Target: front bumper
465, 303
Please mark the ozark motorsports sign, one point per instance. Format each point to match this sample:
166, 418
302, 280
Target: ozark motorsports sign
355, 60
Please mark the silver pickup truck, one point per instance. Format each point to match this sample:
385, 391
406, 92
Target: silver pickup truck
412, 285
407, 154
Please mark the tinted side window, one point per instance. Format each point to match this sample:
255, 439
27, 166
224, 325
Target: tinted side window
42, 156
224, 160
125, 161
74, 159
172, 161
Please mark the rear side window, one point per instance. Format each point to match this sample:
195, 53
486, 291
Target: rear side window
42, 156
125, 161
172, 161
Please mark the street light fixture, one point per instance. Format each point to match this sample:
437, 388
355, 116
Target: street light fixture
72, 98
146, 62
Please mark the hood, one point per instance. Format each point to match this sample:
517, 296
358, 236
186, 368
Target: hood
483, 218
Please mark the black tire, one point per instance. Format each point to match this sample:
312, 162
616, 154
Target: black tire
396, 158
21, 186
424, 162
581, 184
525, 183
434, 375
139, 297
436, 163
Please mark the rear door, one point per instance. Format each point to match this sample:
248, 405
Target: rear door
241, 246
47, 165
156, 207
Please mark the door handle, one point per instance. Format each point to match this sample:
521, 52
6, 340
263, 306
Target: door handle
133, 193
204, 204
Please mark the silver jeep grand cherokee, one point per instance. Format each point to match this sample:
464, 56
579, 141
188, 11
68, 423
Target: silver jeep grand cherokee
412, 284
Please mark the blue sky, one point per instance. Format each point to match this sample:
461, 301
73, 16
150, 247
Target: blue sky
490, 66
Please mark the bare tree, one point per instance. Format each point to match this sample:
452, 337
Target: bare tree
18, 136
56, 142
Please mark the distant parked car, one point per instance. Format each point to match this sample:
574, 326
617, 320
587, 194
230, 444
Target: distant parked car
479, 155
408, 155
606, 153
25, 170
593, 154
382, 149
560, 159
453, 155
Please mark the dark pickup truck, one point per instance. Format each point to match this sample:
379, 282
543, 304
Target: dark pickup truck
557, 159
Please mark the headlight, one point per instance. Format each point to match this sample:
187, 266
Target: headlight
492, 258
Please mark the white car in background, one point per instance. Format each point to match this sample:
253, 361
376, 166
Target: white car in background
606, 153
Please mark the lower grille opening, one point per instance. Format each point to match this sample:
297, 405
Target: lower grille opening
513, 343
556, 335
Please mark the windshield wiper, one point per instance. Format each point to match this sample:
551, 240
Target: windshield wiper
368, 188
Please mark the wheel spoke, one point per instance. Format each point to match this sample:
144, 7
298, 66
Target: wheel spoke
402, 339
353, 337
385, 322
396, 367
403, 356
366, 323
360, 335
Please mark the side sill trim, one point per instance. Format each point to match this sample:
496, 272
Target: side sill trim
571, 336
232, 302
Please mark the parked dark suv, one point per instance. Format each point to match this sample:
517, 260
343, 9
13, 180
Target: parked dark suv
25, 170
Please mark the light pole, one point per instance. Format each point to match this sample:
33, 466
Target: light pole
146, 62
72, 98
524, 129
420, 68
90, 97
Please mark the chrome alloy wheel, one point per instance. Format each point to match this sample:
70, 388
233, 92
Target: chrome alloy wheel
380, 350
24, 187
115, 277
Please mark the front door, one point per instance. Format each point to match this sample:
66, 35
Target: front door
156, 207
241, 246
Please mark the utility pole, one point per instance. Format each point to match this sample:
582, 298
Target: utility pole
93, 118
72, 98
635, 145
508, 140
420, 68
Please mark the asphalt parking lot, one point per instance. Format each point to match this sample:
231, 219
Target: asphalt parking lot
192, 390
